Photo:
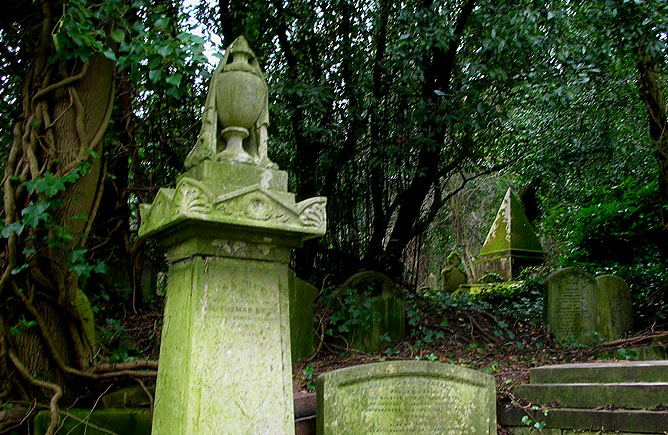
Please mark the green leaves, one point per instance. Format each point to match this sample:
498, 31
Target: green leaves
118, 35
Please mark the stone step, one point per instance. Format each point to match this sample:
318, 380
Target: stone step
646, 395
603, 372
594, 420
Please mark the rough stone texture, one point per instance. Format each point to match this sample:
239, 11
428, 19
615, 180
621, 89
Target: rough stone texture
626, 421
302, 296
100, 422
128, 397
577, 305
588, 395
228, 226
604, 372
452, 276
409, 397
614, 315
570, 305
388, 312
511, 244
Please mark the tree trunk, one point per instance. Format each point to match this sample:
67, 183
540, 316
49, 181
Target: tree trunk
66, 110
652, 97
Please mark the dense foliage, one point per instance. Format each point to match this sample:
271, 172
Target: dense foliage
412, 118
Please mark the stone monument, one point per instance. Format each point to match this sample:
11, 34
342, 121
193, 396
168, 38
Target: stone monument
570, 304
577, 305
228, 227
614, 310
406, 397
387, 324
452, 276
511, 244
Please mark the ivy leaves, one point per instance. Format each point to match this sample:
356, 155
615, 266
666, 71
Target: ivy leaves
38, 215
139, 37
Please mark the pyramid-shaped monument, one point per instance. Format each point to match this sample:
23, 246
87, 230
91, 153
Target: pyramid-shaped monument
511, 244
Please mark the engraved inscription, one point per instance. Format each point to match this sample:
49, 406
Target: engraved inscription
241, 340
410, 405
572, 305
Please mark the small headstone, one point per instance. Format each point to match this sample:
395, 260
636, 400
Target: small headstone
614, 316
432, 282
387, 314
301, 297
406, 397
570, 305
452, 276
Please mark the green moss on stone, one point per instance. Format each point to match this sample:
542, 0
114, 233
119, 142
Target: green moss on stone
103, 422
511, 232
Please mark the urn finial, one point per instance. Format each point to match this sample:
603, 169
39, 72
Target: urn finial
236, 115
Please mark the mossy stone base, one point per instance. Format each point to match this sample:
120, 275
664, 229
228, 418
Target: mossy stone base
604, 372
587, 421
101, 422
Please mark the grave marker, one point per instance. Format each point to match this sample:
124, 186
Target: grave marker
614, 317
578, 305
228, 226
406, 397
570, 304
387, 313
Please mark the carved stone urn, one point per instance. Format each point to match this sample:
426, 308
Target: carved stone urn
241, 95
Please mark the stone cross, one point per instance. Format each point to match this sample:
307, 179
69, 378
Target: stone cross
228, 227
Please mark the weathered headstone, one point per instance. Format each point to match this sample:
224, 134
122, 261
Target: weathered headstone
406, 397
614, 317
570, 304
302, 296
387, 313
452, 276
579, 306
511, 244
228, 227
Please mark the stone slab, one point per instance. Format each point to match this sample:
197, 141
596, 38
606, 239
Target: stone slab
614, 310
603, 372
621, 395
570, 305
302, 295
101, 422
406, 397
631, 421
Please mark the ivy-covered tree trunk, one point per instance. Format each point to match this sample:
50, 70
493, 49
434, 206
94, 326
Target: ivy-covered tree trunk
652, 96
52, 187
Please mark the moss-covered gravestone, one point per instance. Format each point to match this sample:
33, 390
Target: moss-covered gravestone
406, 397
302, 296
579, 306
511, 244
570, 305
452, 275
379, 308
228, 227
614, 316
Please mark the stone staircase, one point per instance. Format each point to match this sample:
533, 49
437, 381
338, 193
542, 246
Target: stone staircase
631, 397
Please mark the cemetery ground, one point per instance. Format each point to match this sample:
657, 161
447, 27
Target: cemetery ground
501, 338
